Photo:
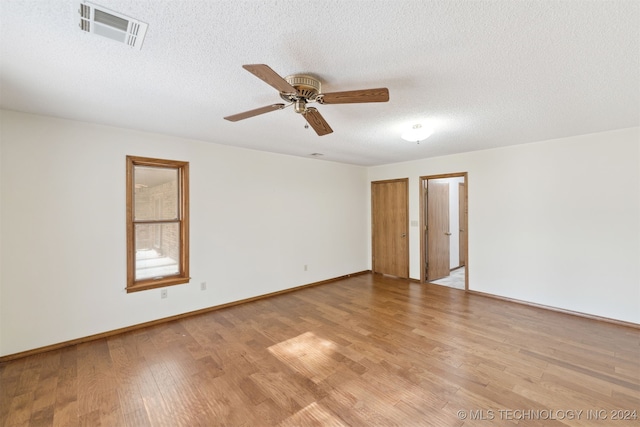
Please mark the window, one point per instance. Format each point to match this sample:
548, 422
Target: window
157, 223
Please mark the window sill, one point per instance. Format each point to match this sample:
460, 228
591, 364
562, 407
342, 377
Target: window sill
159, 283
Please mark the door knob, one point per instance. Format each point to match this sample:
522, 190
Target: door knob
447, 233
404, 235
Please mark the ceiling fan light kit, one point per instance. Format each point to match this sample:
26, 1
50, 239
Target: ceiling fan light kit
302, 89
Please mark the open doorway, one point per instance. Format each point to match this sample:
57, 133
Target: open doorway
444, 225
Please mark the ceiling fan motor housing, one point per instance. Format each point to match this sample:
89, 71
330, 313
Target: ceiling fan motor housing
308, 87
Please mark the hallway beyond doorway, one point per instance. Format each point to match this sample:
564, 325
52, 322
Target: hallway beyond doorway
454, 280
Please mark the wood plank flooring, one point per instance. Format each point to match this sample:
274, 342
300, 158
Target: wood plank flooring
365, 351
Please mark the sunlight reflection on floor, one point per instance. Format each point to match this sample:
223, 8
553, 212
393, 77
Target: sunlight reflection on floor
307, 354
312, 414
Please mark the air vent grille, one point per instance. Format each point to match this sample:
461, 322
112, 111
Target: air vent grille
132, 37
85, 11
115, 26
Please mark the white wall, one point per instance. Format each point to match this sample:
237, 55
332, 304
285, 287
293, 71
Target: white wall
256, 219
1, 236
554, 223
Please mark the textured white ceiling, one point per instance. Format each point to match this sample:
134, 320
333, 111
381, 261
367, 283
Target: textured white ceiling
482, 73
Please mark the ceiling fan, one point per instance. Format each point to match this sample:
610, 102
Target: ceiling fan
301, 89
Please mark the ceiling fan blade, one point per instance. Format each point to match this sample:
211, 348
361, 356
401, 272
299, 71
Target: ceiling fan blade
256, 112
356, 96
317, 122
265, 73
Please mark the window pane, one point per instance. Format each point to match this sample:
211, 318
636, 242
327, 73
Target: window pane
157, 250
155, 193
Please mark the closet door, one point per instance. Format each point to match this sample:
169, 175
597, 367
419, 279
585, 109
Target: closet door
390, 227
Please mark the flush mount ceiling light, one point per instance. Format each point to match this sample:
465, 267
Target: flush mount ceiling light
417, 133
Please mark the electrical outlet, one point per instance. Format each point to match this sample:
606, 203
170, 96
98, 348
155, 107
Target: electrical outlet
305, 267
203, 286
163, 293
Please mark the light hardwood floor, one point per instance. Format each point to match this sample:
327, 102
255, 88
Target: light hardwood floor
364, 351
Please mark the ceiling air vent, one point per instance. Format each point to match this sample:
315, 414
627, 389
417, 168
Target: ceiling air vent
104, 22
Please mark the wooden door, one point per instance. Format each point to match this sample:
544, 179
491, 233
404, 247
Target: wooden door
389, 227
438, 234
462, 218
